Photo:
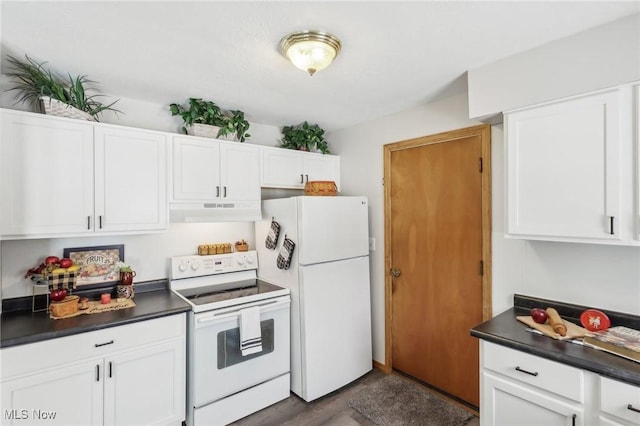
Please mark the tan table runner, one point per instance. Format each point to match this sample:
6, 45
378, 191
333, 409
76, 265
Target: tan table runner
95, 307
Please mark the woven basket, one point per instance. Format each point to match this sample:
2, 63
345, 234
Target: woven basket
60, 109
65, 307
320, 187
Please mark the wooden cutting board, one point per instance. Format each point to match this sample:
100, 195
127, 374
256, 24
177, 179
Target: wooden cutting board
573, 331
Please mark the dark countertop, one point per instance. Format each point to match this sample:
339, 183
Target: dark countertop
22, 327
506, 330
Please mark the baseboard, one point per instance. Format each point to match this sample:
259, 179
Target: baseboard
382, 367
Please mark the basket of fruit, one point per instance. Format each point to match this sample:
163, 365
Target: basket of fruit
56, 273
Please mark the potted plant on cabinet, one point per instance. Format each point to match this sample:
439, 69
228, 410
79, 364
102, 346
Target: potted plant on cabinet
304, 137
39, 86
235, 126
205, 118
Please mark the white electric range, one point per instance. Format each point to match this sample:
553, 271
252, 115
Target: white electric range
223, 385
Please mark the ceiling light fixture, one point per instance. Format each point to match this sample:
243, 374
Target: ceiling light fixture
310, 51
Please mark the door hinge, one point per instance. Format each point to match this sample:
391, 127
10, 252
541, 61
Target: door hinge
482, 267
382, 181
480, 164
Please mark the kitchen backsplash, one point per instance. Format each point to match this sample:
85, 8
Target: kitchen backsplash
148, 254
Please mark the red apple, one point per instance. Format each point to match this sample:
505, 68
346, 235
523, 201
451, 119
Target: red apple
539, 315
58, 294
51, 260
65, 263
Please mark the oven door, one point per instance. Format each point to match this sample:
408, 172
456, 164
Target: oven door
218, 368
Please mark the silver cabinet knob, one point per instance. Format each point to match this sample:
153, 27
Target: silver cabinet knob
395, 272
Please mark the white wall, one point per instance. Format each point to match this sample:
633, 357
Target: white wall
602, 57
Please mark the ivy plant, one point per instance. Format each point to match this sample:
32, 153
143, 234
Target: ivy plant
304, 137
207, 112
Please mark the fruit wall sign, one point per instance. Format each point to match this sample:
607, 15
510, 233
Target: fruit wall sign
98, 265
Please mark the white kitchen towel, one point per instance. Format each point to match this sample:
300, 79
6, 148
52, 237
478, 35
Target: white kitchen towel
250, 332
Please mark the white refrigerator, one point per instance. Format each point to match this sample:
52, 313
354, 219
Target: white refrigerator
330, 288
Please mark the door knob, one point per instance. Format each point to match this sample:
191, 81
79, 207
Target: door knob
395, 272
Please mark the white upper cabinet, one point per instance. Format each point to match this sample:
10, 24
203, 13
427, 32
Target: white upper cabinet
47, 175
208, 170
570, 169
63, 177
130, 179
285, 168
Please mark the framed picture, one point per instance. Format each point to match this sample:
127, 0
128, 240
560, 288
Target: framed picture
98, 265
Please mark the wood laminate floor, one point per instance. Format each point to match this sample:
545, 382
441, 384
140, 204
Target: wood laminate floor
330, 410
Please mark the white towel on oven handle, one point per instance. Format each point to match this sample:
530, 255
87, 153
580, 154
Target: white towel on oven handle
250, 331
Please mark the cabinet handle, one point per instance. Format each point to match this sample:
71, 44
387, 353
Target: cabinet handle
301, 178
573, 420
98, 373
611, 218
217, 191
632, 408
526, 372
225, 192
110, 342
100, 221
89, 222
307, 178
110, 370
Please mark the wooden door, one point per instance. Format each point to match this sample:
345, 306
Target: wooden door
437, 234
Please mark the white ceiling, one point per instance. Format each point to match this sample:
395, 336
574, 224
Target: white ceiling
395, 55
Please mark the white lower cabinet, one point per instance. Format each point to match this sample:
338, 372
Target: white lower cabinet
522, 389
619, 403
127, 375
65, 395
510, 403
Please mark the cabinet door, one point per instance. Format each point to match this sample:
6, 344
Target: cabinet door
321, 167
146, 386
282, 168
69, 395
239, 172
563, 169
196, 169
506, 402
130, 179
46, 175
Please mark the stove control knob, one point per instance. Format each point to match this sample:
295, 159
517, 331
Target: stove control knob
240, 260
182, 267
250, 260
195, 265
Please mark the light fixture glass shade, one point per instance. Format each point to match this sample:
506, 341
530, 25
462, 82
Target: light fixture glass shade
310, 51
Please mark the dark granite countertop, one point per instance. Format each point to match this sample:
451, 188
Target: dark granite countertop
152, 301
506, 330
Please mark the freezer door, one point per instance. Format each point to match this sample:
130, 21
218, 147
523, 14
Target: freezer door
335, 325
332, 228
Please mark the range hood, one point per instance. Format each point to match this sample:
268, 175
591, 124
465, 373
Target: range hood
245, 211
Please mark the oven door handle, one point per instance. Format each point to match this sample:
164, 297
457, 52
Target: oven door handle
265, 307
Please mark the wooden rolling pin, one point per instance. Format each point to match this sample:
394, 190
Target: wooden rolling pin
556, 322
